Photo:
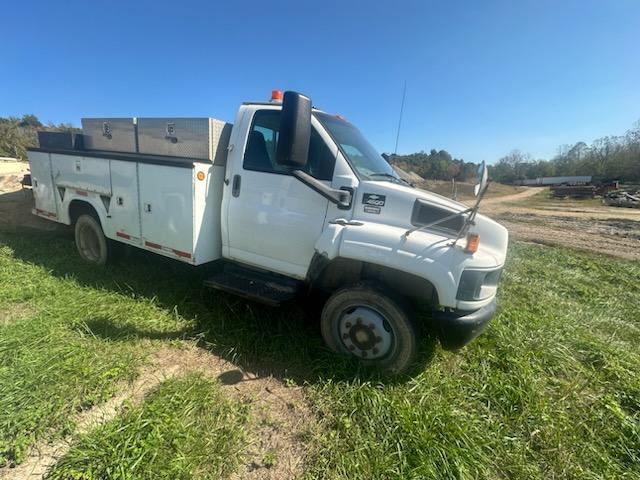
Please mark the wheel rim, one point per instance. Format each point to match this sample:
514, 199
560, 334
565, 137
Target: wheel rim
365, 332
89, 243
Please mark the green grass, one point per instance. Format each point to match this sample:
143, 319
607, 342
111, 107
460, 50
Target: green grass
550, 390
185, 429
53, 361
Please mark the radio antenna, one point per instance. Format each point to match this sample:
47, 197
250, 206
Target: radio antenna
404, 94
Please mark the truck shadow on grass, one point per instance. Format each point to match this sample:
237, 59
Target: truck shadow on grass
284, 342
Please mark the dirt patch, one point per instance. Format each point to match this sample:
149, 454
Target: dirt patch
571, 234
279, 420
15, 214
526, 193
581, 224
15, 312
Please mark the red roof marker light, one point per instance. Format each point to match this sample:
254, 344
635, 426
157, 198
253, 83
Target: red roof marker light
276, 95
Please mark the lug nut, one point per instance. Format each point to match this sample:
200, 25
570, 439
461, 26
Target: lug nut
345, 336
378, 339
352, 347
364, 354
348, 324
375, 351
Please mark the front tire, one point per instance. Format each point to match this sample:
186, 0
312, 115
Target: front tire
372, 326
90, 240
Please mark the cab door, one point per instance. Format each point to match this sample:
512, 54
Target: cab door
272, 219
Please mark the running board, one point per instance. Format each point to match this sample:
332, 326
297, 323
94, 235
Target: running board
260, 286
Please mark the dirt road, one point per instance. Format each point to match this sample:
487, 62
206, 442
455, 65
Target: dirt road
528, 192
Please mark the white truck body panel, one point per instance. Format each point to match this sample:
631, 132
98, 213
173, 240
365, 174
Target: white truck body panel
125, 204
84, 173
207, 198
166, 208
161, 208
43, 189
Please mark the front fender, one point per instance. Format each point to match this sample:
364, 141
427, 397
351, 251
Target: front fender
424, 254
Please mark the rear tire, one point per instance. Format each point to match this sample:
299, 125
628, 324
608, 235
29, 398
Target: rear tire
372, 326
91, 243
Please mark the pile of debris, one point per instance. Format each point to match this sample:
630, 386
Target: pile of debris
573, 191
622, 198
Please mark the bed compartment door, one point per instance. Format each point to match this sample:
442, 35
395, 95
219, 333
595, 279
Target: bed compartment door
43, 189
125, 204
166, 209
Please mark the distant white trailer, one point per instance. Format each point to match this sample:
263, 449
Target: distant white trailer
548, 181
568, 180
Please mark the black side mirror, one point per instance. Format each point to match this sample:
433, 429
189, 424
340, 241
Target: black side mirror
295, 130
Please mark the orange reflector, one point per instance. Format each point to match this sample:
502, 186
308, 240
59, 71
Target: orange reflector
473, 242
276, 95
200, 175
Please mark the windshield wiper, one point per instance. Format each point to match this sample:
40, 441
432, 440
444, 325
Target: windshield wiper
389, 176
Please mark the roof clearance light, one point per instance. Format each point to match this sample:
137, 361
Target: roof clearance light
276, 95
473, 242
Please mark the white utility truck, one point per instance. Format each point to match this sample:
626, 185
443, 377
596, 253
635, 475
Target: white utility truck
287, 200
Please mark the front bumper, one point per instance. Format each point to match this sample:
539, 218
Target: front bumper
457, 328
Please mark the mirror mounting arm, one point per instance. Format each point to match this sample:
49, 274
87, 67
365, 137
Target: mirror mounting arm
342, 198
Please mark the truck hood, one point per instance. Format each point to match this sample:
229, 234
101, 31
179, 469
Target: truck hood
392, 204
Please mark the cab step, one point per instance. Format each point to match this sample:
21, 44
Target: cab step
260, 286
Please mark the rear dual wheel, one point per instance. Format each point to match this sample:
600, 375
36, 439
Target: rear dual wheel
372, 326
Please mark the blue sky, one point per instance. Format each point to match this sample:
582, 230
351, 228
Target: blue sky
482, 77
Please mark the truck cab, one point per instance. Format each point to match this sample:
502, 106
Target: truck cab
300, 201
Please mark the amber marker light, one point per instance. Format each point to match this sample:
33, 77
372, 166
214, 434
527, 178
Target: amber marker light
473, 242
200, 175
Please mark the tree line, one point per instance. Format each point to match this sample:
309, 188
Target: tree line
18, 134
606, 159
438, 165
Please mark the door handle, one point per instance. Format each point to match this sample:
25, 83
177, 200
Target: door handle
235, 189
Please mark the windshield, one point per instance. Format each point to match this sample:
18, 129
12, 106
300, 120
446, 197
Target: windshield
360, 153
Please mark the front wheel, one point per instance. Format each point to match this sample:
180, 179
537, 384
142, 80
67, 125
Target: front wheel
90, 240
372, 326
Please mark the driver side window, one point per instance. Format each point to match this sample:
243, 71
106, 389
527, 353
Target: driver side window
260, 153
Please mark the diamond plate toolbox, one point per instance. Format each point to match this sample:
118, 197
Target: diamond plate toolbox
109, 134
196, 138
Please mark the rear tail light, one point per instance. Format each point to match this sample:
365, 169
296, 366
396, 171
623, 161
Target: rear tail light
473, 242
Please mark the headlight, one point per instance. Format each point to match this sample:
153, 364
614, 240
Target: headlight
478, 284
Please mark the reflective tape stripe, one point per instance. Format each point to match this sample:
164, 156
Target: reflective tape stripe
46, 214
177, 253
